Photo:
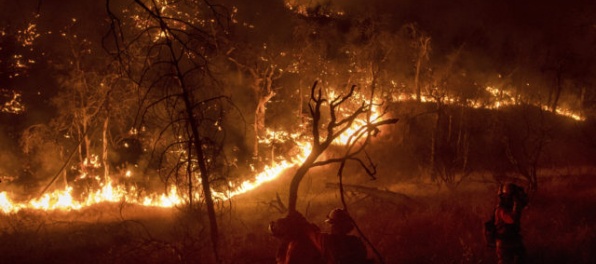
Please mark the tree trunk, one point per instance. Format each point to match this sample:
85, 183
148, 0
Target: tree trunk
300, 173
86, 139
300, 102
81, 147
105, 161
435, 143
189, 174
417, 78
259, 124
423, 43
558, 89
196, 140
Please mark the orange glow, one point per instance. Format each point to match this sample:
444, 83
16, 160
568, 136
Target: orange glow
499, 98
268, 174
112, 192
14, 105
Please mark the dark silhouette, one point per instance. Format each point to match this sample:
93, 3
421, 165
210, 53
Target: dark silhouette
303, 242
508, 240
296, 246
339, 246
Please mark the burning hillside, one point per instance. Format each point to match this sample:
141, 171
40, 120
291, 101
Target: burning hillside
184, 106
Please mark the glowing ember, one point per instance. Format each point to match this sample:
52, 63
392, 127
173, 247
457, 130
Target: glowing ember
14, 105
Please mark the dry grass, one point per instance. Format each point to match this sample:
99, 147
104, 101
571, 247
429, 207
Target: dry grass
441, 226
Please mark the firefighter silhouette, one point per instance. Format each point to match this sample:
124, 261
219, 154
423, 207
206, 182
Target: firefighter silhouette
509, 242
336, 246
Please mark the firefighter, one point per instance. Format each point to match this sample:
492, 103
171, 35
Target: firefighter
509, 242
338, 246
296, 246
303, 242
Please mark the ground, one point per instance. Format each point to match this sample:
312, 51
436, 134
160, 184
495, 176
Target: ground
409, 222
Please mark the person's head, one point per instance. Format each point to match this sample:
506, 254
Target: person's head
340, 221
509, 189
507, 193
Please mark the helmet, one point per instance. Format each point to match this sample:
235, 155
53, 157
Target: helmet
509, 189
337, 216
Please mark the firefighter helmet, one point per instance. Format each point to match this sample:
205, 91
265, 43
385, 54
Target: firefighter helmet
337, 216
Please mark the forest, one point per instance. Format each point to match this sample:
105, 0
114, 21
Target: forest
175, 131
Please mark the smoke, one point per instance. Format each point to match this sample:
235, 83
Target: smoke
9, 161
9, 166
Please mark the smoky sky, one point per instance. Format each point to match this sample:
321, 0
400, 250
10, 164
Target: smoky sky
452, 23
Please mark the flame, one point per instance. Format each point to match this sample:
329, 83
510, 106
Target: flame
507, 98
375, 114
499, 98
112, 192
269, 173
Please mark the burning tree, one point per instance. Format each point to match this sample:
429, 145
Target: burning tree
86, 84
420, 43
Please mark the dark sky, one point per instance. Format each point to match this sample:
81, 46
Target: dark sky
494, 28
449, 22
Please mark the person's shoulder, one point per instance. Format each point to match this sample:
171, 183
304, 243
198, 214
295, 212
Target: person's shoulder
350, 242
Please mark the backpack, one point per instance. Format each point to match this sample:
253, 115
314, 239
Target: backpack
490, 232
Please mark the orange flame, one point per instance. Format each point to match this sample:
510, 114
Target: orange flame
111, 192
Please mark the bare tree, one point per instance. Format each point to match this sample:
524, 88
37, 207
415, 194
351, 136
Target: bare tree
525, 144
170, 56
263, 72
450, 139
85, 86
324, 134
420, 43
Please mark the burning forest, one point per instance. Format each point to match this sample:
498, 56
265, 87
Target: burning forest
178, 131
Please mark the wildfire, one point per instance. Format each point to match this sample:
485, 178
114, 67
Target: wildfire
499, 98
109, 191
506, 98
268, 174
375, 114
